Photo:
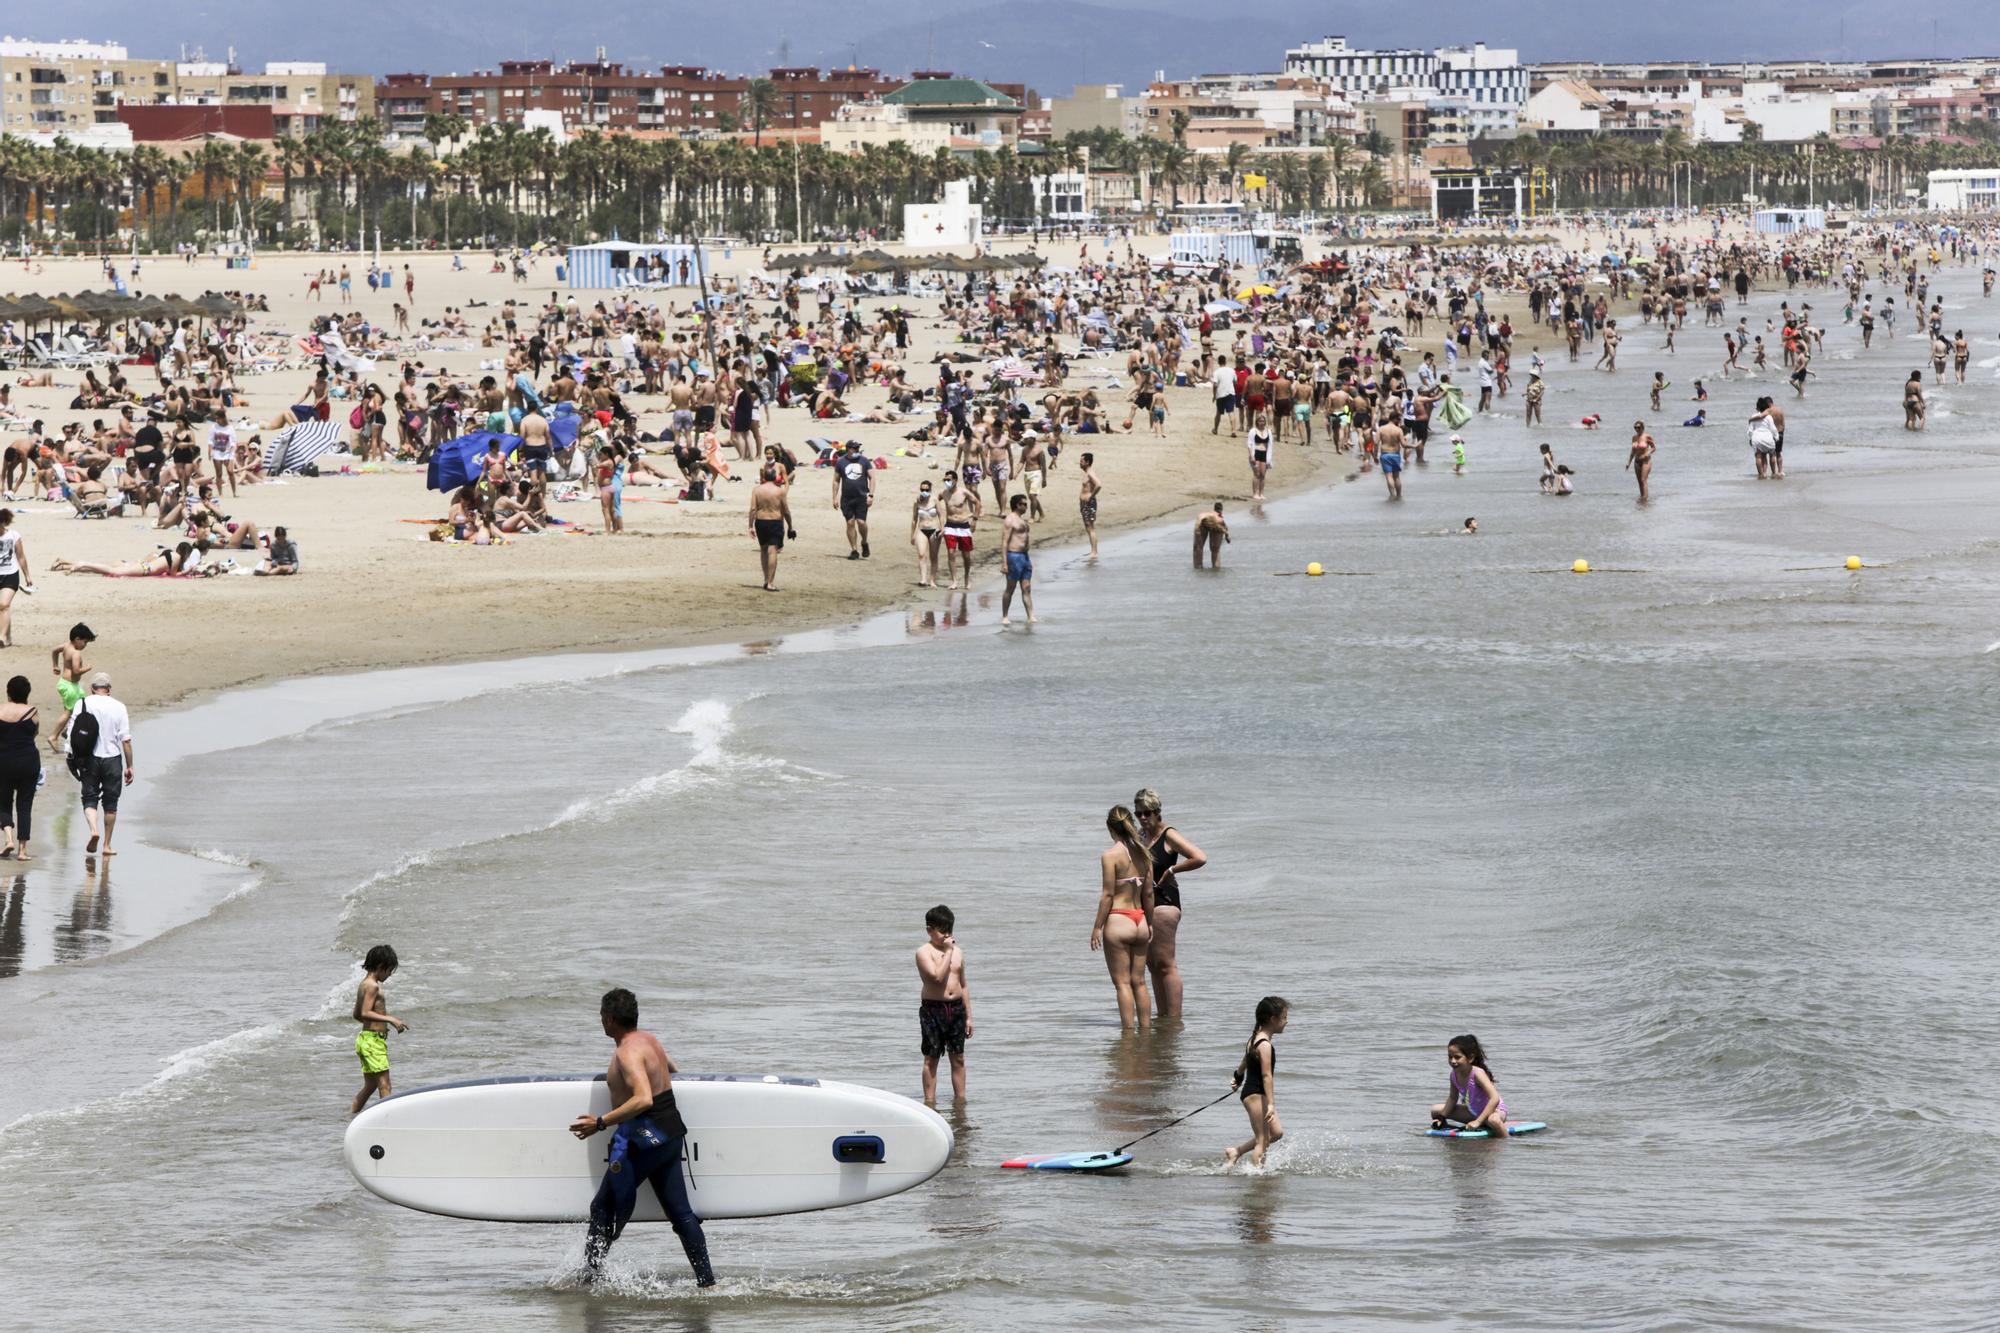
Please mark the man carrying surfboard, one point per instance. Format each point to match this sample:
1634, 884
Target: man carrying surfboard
647, 1134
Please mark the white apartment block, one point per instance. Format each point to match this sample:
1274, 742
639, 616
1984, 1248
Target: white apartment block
1485, 86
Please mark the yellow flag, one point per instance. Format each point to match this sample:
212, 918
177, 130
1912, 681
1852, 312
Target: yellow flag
1252, 181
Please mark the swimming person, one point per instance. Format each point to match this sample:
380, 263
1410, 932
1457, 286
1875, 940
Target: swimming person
371, 1044
1172, 856
944, 1009
647, 1135
1471, 1099
1256, 1081
1125, 906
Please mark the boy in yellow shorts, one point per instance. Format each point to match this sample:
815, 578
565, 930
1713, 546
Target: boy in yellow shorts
372, 1042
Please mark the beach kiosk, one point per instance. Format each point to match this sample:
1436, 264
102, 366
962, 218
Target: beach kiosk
1785, 221
626, 264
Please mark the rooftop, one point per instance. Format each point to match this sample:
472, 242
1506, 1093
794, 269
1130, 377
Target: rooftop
950, 92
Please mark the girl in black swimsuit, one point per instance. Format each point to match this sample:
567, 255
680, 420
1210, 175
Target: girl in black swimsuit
1172, 854
1256, 1080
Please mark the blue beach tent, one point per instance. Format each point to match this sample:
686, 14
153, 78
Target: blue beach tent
456, 462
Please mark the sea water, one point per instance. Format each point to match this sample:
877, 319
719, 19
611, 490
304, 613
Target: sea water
1698, 845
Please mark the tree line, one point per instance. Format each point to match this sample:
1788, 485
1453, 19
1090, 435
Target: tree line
345, 181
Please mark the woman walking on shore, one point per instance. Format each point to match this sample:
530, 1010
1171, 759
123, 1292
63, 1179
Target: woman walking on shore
1124, 913
20, 768
13, 574
1170, 855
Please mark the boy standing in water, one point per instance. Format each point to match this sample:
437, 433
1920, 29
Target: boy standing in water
944, 1012
372, 1042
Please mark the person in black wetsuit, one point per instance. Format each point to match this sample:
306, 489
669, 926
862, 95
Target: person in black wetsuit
647, 1134
20, 767
1172, 855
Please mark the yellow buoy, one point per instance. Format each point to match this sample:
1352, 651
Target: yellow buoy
1314, 569
1854, 562
1580, 567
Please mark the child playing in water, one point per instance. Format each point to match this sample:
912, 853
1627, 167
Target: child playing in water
1660, 385
1458, 455
372, 1042
1470, 1099
944, 1010
1256, 1082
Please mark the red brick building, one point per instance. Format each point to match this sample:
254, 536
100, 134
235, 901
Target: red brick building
604, 95
171, 122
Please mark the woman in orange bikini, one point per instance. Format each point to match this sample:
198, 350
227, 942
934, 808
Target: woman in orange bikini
1124, 912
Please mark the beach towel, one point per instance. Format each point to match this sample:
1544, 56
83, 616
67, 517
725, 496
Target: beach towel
1451, 410
299, 444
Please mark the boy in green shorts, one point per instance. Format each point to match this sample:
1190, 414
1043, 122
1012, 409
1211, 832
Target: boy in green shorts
372, 1042
69, 666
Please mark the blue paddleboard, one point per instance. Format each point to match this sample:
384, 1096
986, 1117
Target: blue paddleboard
1070, 1161
1513, 1131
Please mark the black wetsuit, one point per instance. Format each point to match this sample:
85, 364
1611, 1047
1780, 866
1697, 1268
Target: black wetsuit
1166, 888
647, 1148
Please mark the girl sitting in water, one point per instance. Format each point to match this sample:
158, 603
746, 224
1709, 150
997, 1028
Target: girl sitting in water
1471, 1099
1256, 1081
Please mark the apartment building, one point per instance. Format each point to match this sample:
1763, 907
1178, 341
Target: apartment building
74, 88
1255, 110
302, 94
1479, 90
1097, 106
604, 95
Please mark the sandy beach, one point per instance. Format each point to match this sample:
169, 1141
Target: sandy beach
375, 592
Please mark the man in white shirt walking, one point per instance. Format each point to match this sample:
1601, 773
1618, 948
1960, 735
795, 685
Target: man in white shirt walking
104, 772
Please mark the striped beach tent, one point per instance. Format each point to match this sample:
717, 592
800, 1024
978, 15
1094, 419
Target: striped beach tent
301, 443
617, 263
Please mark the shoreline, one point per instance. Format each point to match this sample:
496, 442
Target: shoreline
1308, 471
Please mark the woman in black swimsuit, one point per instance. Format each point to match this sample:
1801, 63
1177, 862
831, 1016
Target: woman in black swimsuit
20, 767
1172, 855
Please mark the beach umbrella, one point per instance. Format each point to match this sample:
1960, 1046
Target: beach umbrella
456, 462
1258, 289
1222, 307
35, 309
1013, 370
299, 444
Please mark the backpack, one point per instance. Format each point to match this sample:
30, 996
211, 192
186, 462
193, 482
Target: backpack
83, 732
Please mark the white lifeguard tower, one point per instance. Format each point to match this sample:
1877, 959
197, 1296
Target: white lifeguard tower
952, 221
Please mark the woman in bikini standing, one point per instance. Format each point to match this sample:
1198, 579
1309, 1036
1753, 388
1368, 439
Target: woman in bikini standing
1171, 855
1124, 912
1640, 462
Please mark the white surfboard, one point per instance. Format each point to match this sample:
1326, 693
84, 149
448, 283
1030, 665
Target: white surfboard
500, 1150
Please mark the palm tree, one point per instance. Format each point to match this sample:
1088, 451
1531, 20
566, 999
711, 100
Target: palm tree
758, 105
1233, 159
1176, 164
145, 167
248, 164
175, 172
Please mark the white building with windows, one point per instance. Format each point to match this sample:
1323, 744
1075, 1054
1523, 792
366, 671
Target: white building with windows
1490, 83
1352, 70
1958, 191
